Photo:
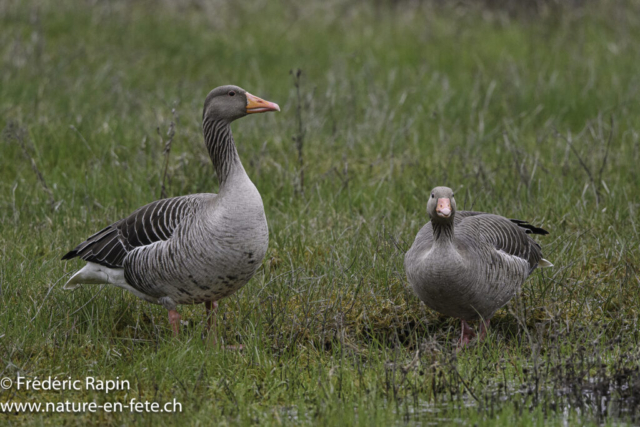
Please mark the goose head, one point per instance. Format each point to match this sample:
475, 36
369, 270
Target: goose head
441, 206
232, 102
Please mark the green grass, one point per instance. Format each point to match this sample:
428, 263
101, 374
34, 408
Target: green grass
533, 117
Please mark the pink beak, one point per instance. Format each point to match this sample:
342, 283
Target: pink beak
444, 208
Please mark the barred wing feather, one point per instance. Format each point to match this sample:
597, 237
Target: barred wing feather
504, 235
150, 223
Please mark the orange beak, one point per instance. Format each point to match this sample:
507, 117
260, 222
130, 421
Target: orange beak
258, 105
444, 208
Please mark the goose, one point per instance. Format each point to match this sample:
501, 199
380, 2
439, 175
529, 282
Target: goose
469, 264
189, 249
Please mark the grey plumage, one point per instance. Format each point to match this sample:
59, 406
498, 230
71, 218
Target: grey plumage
470, 264
151, 223
195, 248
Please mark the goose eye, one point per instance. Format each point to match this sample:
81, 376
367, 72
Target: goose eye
433, 196
232, 93
452, 195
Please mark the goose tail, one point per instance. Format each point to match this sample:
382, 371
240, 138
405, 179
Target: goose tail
95, 274
544, 263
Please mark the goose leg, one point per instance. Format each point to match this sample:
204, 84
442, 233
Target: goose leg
484, 327
174, 320
467, 334
174, 316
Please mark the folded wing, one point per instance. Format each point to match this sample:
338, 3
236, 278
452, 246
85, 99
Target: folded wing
151, 223
508, 236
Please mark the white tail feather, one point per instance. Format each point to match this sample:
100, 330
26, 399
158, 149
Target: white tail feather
544, 263
96, 274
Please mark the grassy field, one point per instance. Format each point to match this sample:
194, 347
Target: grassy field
532, 115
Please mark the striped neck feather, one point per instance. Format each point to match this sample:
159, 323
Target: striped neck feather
222, 149
442, 231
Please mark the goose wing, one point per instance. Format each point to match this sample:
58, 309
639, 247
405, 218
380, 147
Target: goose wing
529, 228
525, 225
151, 223
508, 236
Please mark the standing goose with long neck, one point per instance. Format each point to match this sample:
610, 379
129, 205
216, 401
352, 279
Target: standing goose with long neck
469, 264
190, 249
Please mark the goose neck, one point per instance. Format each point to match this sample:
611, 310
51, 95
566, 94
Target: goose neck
443, 232
222, 150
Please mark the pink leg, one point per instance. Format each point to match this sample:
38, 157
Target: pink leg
467, 334
484, 327
174, 320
